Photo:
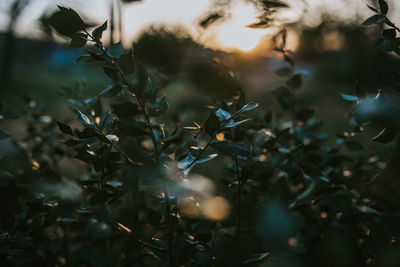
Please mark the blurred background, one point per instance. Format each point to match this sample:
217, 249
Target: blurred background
332, 49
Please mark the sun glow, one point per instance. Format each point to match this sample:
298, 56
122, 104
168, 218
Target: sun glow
234, 34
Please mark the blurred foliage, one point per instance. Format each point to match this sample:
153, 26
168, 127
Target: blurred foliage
210, 182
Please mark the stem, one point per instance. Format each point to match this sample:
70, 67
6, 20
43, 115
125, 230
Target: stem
239, 194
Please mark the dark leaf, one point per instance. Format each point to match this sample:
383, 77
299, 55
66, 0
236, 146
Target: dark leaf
64, 128
373, 9
66, 21
105, 121
159, 107
389, 34
82, 118
383, 6
125, 109
112, 73
212, 124
111, 90
116, 50
78, 40
227, 147
273, 4
375, 19
127, 63
234, 123
385, 136
98, 32
268, 116
295, 82
360, 91
210, 19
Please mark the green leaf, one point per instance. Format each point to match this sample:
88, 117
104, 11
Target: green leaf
186, 162
383, 6
227, 148
389, 34
212, 124
127, 63
385, 136
373, 9
361, 94
98, 32
105, 121
159, 107
111, 90
234, 123
64, 128
256, 257
116, 50
78, 40
66, 21
349, 97
223, 115
248, 107
125, 109
375, 19
82, 118
207, 158
112, 73
4, 134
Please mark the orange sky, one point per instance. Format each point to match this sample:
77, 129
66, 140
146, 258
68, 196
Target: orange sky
232, 34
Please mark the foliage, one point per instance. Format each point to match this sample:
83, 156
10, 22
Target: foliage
233, 188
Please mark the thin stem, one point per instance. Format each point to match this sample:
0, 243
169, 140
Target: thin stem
239, 194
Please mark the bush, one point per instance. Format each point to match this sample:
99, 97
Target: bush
221, 185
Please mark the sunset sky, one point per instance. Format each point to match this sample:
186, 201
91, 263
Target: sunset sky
231, 34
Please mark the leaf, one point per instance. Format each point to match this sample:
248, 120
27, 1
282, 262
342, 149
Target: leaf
375, 19
349, 97
186, 162
234, 123
383, 6
64, 128
222, 114
4, 134
82, 118
111, 90
367, 210
159, 107
112, 73
360, 91
373, 9
127, 63
66, 21
248, 107
125, 109
227, 147
116, 50
98, 32
256, 257
212, 124
207, 158
389, 34
274, 4
78, 40
385, 136
105, 121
